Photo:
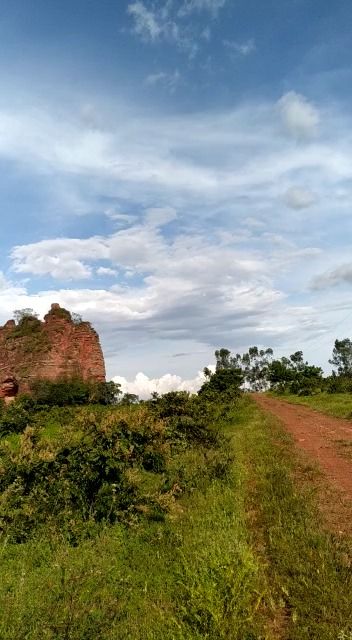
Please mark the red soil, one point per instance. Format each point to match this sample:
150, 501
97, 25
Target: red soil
326, 441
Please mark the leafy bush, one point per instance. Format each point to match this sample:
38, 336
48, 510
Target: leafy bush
105, 465
15, 417
74, 391
84, 476
223, 385
190, 418
338, 384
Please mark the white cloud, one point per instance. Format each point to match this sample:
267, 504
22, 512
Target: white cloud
4, 284
143, 386
334, 277
299, 198
212, 273
241, 48
167, 22
60, 257
159, 216
156, 24
106, 271
168, 80
213, 6
299, 116
200, 161
145, 21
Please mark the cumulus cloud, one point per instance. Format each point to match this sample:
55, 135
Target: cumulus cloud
299, 198
299, 116
143, 386
59, 257
208, 272
334, 277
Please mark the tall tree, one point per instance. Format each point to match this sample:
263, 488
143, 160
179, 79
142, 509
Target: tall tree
342, 357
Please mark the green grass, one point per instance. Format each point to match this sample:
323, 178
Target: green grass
192, 576
334, 404
308, 569
242, 557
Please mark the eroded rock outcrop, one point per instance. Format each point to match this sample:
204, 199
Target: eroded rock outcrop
54, 349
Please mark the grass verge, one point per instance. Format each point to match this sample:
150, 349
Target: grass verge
308, 572
334, 404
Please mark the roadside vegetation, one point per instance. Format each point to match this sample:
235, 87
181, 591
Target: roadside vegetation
179, 518
334, 404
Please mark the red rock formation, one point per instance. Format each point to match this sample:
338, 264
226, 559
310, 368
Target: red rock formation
8, 389
54, 349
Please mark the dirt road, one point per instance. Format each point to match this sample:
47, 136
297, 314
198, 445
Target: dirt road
326, 440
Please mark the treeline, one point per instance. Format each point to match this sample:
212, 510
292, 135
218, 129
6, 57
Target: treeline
261, 371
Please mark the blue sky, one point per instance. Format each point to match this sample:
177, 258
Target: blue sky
180, 174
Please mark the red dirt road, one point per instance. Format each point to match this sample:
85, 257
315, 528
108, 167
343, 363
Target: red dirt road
323, 438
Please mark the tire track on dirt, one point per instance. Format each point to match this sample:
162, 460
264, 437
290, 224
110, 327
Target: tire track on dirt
319, 436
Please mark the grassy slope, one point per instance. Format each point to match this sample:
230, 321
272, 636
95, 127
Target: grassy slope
242, 557
335, 404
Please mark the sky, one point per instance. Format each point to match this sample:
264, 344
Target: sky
179, 172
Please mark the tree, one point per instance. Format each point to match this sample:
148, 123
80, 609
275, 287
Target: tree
223, 359
342, 357
129, 398
295, 375
227, 378
76, 318
255, 364
21, 315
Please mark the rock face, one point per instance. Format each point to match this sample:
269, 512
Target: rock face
54, 349
8, 389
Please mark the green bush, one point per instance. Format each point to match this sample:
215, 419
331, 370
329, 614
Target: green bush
73, 391
15, 417
103, 464
338, 384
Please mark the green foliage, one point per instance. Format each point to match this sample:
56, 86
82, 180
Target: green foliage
21, 315
76, 318
27, 324
96, 470
338, 384
15, 417
60, 312
255, 367
189, 418
342, 357
128, 398
230, 546
260, 372
74, 391
225, 383
293, 375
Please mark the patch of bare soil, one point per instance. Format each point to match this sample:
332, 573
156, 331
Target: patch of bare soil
320, 437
